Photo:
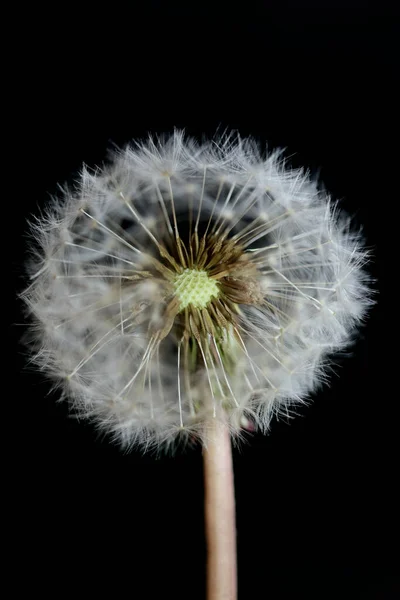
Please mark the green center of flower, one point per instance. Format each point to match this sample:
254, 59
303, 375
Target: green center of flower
196, 288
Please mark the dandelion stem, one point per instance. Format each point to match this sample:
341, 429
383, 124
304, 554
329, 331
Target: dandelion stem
220, 515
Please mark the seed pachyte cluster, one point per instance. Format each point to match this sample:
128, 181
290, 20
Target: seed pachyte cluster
188, 282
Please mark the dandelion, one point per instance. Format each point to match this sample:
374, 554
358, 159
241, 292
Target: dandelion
188, 286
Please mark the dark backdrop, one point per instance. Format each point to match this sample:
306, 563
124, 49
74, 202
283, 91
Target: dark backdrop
316, 500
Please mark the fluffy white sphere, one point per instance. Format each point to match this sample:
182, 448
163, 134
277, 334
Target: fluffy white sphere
183, 283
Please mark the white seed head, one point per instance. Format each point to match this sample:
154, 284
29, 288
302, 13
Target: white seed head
184, 283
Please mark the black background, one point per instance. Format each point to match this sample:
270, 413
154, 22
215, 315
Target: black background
317, 507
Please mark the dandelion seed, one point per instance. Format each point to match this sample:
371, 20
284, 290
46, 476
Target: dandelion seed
185, 284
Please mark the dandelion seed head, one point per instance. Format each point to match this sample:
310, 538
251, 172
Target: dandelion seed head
187, 282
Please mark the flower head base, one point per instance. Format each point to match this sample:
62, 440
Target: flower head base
185, 283
195, 287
